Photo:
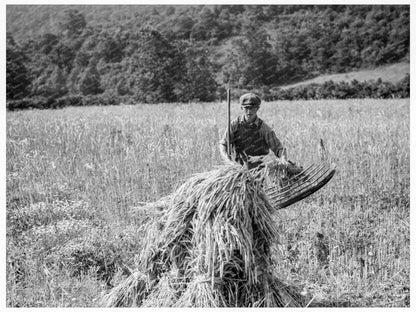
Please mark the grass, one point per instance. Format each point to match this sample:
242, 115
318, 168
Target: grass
74, 174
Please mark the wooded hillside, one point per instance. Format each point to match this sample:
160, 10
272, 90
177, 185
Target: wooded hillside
80, 55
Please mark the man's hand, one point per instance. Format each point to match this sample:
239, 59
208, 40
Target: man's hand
283, 157
283, 161
224, 155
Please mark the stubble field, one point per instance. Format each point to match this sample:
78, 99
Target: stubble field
74, 174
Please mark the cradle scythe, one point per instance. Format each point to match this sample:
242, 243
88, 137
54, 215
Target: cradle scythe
302, 184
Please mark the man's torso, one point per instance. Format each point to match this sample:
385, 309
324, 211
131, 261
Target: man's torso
249, 139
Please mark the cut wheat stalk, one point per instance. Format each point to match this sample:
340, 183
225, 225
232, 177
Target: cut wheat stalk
294, 178
130, 293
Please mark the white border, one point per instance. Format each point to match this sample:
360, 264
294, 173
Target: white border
121, 2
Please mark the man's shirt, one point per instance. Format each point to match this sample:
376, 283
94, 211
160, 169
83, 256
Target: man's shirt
255, 139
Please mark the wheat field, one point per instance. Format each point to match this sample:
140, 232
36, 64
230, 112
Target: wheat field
74, 174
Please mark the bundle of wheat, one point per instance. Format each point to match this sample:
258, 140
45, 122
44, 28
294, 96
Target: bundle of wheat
213, 248
130, 293
165, 293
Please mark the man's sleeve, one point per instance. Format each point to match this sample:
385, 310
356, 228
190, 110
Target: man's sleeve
274, 143
224, 139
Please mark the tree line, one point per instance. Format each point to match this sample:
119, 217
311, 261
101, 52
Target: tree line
193, 53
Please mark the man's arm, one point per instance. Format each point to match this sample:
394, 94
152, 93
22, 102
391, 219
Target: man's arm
225, 155
274, 143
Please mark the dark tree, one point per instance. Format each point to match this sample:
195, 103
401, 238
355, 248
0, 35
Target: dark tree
197, 83
156, 66
56, 84
18, 78
90, 84
72, 23
251, 61
47, 42
62, 56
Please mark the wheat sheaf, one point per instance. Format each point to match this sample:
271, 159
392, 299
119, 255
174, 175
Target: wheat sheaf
208, 244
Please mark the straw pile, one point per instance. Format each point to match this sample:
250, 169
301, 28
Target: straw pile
209, 247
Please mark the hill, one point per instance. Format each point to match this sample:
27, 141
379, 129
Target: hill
391, 73
186, 53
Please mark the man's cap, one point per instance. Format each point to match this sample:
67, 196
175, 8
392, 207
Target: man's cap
250, 99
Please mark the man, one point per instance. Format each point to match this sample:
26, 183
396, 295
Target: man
250, 136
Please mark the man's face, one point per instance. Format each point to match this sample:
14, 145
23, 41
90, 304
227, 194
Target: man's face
250, 113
